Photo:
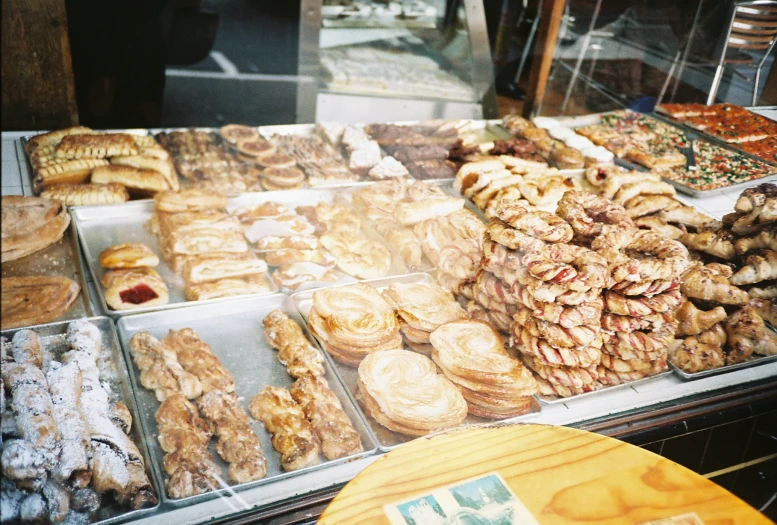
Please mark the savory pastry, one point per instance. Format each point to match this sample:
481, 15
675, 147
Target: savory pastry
357, 255
68, 172
95, 146
711, 283
35, 300
295, 352
759, 266
292, 433
160, 370
189, 200
252, 284
132, 255
87, 194
197, 357
128, 288
137, 181
238, 132
162, 166
403, 392
30, 224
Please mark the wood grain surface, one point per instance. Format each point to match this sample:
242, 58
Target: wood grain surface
562, 475
544, 51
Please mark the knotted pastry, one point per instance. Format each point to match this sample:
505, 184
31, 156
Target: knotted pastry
128, 255
647, 287
197, 357
295, 352
402, 391
591, 215
470, 173
630, 365
487, 179
30, 224
627, 323
651, 343
511, 193
719, 243
694, 321
458, 287
357, 255
546, 292
483, 198
424, 306
556, 335
575, 267
34, 300
570, 377
501, 233
711, 283
96, 146
545, 191
644, 254
542, 225
128, 288
641, 306
548, 389
87, 194
189, 200
759, 266
609, 377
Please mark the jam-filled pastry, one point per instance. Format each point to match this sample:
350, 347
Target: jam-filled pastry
129, 288
128, 255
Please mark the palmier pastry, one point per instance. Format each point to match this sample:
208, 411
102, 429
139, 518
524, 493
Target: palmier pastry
189, 200
137, 181
402, 391
30, 224
163, 166
253, 284
68, 172
238, 132
357, 255
130, 255
87, 194
130, 288
35, 300
96, 146
424, 306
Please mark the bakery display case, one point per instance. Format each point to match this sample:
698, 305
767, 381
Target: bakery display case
394, 60
305, 276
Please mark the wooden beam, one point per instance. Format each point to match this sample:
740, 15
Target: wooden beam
769, 93
37, 71
544, 50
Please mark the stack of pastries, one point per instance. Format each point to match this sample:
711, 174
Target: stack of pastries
421, 308
130, 279
472, 355
67, 448
81, 166
205, 245
353, 321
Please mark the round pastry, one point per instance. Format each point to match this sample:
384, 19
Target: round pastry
130, 255
403, 392
424, 306
591, 215
255, 147
34, 300
237, 132
284, 176
130, 288
30, 224
277, 160
413, 335
268, 185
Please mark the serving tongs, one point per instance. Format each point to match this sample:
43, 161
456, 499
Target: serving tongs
690, 156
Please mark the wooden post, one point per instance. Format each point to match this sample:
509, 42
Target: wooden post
37, 71
544, 50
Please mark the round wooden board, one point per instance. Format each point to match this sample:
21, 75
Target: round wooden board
562, 475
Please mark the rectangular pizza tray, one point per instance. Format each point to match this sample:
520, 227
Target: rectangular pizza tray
385, 438
113, 371
235, 332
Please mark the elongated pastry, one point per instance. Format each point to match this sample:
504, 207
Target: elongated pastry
759, 266
295, 352
52, 138
96, 146
747, 335
720, 243
765, 238
160, 370
251, 284
414, 212
128, 255
209, 269
711, 283
34, 300
87, 194
71, 171
189, 200
402, 239
292, 433
162, 166
30, 224
127, 288
206, 239
196, 357
137, 181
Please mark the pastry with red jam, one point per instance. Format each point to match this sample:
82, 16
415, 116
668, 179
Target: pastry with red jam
129, 288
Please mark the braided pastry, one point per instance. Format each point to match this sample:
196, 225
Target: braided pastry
626, 323
563, 375
550, 355
504, 235
654, 256
578, 268
610, 377
641, 306
648, 287
591, 215
557, 336
540, 224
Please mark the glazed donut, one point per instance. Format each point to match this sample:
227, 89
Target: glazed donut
537, 223
575, 267
642, 254
648, 287
591, 215
642, 306
557, 336
548, 355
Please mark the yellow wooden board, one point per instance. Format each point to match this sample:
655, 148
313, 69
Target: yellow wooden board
562, 475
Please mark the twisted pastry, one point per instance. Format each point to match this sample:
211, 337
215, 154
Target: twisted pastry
295, 352
532, 345
641, 306
556, 335
711, 283
542, 225
654, 256
591, 215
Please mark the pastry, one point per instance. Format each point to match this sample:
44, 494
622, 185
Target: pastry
295, 352
130, 288
197, 358
269, 185
128, 256
160, 370
163, 166
30, 224
87, 194
711, 283
213, 268
409, 213
286, 256
295, 275
387, 168
747, 335
71, 171
266, 210
694, 321
759, 266
295, 242
238, 132
284, 176
35, 300
252, 284
424, 306
138, 181
277, 160
189, 200
52, 138
95, 146
357, 255
203, 240
255, 147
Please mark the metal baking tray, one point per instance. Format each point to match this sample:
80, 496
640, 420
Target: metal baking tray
99, 227
311, 197
61, 258
385, 438
113, 372
553, 400
235, 333
751, 362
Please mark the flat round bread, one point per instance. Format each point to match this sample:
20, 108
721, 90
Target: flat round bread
30, 224
28, 301
236, 132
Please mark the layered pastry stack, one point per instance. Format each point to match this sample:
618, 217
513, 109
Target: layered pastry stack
353, 321
80, 166
421, 308
205, 245
180, 368
130, 279
472, 355
308, 419
69, 449
31, 224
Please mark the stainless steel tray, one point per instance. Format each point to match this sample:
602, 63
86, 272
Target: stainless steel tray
61, 258
553, 400
99, 227
115, 373
235, 333
385, 438
753, 361
311, 197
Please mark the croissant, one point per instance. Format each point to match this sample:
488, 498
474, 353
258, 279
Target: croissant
764, 290
766, 308
710, 283
694, 356
747, 334
765, 238
720, 243
687, 216
755, 197
759, 266
694, 321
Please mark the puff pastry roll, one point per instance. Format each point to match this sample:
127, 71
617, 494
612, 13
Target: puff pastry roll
140, 181
87, 194
255, 284
144, 162
209, 269
128, 255
96, 146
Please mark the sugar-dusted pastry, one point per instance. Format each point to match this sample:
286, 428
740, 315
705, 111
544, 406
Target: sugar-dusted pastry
160, 370
197, 357
136, 180
189, 200
163, 166
403, 392
387, 168
128, 255
251, 284
295, 352
87, 194
30, 224
35, 299
128, 288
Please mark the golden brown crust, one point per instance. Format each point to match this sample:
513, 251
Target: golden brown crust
52, 138
136, 180
163, 166
71, 171
28, 301
96, 146
128, 255
189, 200
238, 132
87, 194
130, 288
30, 224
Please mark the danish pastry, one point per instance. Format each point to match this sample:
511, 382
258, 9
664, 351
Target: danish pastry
130, 288
130, 255
208, 269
